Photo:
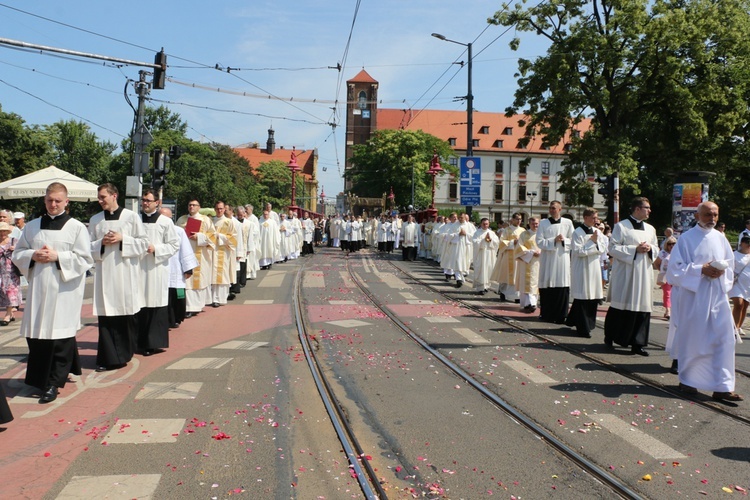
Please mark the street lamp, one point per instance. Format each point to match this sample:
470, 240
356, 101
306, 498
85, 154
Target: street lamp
532, 195
469, 101
294, 168
434, 170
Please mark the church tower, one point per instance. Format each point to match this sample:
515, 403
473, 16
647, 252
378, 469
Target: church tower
361, 115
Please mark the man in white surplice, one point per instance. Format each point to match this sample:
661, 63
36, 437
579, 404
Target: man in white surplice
454, 261
163, 242
270, 241
701, 266
485, 243
554, 238
54, 253
633, 247
586, 278
410, 236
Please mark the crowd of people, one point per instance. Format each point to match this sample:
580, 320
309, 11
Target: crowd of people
150, 274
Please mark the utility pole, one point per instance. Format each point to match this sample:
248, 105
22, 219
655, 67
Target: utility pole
141, 138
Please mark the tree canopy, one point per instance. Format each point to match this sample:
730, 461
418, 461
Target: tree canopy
666, 84
387, 159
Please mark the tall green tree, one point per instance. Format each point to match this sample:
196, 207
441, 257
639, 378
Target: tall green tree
22, 149
276, 181
664, 83
388, 160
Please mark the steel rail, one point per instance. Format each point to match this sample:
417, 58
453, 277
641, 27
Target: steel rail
675, 392
367, 479
597, 472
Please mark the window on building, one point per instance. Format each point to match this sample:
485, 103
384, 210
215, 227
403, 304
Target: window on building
475, 143
522, 192
522, 168
568, 147
498, 191
453, 161
451, 141
453, 190
362, 100
521, 145
575, 133
498, 143
545, 193
545, 147
499, 166
484, 130
545, 168
508, 131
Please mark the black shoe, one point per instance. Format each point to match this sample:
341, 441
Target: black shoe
639, 351
231, 296
110, 368
215, 304
608, 342
517, 301
49, 395
673, 368
151, 352
502, 297
483, 292
174, 325
585, 335
447, 278
459, 283
189, 315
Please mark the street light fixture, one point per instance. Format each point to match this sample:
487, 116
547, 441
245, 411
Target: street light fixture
469, 100
532, 195
434, 170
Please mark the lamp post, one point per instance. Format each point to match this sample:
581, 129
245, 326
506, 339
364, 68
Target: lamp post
391, 198
532, 195
294, 168
434, 170
469, 101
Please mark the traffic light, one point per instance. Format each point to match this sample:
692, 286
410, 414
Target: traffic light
160, 74
159, 170
608, 186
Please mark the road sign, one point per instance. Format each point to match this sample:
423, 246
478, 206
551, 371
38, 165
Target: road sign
471, 171
470, 201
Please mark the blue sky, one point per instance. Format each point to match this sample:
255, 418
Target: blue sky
391, 40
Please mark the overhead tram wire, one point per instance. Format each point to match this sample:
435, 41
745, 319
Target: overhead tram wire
33, 70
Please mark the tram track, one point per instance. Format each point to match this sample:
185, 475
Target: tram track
603, 476
672, 391
364, 473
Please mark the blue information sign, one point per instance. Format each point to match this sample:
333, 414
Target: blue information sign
471, 181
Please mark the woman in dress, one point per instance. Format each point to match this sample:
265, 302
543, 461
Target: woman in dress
740, 292
9, 277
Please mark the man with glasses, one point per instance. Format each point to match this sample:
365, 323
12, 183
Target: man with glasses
633, 247
554, 238
200, 230
163, 242
586, 278
118, 242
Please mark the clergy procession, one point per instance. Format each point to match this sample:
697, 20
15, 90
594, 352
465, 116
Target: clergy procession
552, 262
150, 274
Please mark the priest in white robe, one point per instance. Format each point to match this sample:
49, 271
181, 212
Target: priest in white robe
410, 243
224, 256
437, 239
586, 277
454, 260
504, 272
153, 318
701, 267
269, 237
181, 266
554, 238
200, 232
239, 251
54, 253
253, 242
527, 255
308, 228
118, 242
633, 247
485, 244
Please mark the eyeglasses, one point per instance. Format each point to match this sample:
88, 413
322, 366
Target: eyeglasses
144, 200
193, 204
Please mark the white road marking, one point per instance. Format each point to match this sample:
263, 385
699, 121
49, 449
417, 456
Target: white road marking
471, 336
530, 372
244, 345
313, 280
342, 302
441, 319
259, 302
637, 438
348, 323
273, 279
199, 363
145, 430
115, 487
170, 390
